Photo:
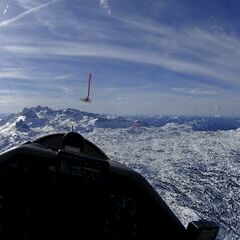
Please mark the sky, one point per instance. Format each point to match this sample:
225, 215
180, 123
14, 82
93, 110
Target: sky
166, 57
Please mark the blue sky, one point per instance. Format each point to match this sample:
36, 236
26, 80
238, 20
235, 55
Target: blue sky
146, 56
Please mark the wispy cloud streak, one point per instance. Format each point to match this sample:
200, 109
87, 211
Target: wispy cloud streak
5, 10
212, 64
195, 91
15, 73
105, 5
26, 13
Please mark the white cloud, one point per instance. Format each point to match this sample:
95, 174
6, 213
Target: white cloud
105, 5
31, 75
195, 91
66, 76
26, 13
211, 67
28, 4
5, 10
16, 73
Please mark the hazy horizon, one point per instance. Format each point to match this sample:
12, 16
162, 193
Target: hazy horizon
124, 115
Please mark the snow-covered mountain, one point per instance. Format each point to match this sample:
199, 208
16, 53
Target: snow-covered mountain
196, 172
197, 123
37, 121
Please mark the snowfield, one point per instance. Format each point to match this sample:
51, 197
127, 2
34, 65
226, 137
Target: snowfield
196, 172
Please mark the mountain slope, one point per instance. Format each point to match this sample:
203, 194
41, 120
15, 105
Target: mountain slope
37, 121
196, 172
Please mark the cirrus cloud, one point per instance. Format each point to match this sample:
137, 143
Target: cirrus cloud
105, 5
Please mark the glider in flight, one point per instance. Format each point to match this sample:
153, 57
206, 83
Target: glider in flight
87, 99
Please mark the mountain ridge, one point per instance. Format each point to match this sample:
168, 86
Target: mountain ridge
65, 118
